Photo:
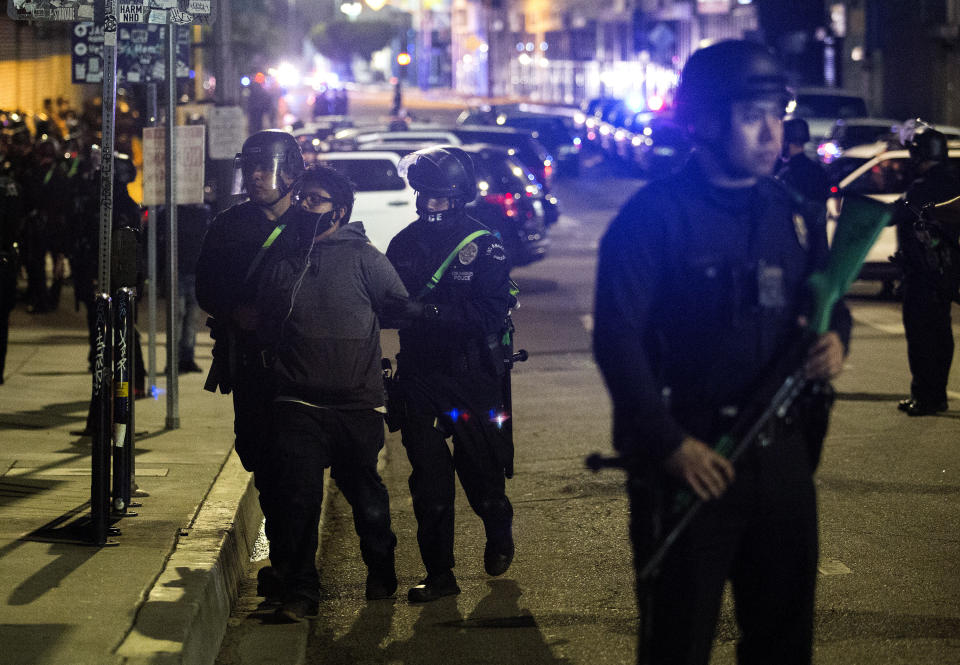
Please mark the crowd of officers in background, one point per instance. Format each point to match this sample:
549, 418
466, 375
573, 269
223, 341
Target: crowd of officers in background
50, 217
48, 210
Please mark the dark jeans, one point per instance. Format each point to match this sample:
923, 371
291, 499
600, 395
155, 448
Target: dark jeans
762, 536
432, 483
305, 441
252, 398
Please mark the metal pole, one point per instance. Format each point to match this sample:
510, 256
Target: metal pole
109, 102
124, 363
228, 92
152, 260
102, 423
173, 406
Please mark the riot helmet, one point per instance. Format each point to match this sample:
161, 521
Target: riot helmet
924, 142
273, 154
440, 172
729, 71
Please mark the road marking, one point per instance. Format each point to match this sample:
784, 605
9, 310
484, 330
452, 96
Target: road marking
879, 319
156, 472
587, 321
832, 567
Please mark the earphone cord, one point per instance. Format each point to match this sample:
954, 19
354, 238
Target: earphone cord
299, 282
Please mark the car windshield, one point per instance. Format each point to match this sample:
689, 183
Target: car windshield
853, 135
830, 106
888, 176
529, 151
842, 167
549, 133
369, 175
501, 174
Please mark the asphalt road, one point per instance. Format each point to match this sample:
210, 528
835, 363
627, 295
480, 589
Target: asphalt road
888, 490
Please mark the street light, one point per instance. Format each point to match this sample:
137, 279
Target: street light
351, 9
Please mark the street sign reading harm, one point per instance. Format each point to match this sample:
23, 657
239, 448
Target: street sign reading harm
180, 12
141, 53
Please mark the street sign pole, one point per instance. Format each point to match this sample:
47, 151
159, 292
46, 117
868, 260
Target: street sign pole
108, 19
173, 388
152, 116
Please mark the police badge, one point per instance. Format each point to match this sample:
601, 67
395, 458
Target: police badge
468, 254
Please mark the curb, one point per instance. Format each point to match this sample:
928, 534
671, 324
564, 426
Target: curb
184, 617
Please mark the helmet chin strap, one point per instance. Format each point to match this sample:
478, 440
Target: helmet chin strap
454, 209
282, 188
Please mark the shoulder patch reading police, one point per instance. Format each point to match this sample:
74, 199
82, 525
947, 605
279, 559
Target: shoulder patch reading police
468, 254
496, 252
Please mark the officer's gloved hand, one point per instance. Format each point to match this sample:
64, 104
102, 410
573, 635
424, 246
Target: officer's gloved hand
422, 311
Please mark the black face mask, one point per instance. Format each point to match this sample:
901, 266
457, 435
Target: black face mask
440, 216
319, 222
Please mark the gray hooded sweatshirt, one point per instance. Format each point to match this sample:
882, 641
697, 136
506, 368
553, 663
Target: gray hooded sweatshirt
320, 320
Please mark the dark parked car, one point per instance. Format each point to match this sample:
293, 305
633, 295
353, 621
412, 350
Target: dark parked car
550, 130
509, 199
524, 147
663, 147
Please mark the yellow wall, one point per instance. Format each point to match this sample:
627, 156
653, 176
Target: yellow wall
25, 83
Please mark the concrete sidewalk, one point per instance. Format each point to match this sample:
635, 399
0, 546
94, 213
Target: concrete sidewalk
162, 592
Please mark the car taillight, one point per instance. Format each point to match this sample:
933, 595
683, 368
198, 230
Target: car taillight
547, 172
507, 202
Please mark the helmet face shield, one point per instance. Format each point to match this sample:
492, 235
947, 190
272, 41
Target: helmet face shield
256, 172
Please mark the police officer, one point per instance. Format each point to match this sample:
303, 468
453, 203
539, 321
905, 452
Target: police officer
931, 273
11, 222
234, 251
700, 288
450, 368
799, 171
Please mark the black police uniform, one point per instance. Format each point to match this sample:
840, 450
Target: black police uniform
233, 243
450, 375
698, 293
806, 176
931, 276
11, 221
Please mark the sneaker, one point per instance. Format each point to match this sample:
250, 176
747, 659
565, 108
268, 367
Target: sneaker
434, 587
497, 557
297, 608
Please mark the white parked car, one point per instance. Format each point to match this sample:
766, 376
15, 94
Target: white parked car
385, 203
883, 172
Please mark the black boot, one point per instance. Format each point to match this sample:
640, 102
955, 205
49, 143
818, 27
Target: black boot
434, 587
916, 407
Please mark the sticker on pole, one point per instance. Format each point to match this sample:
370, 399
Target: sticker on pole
180, 12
